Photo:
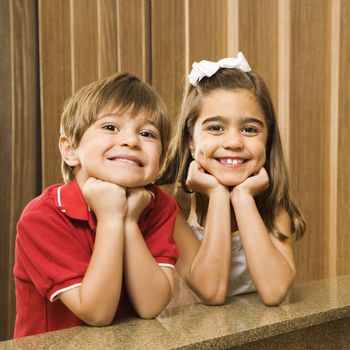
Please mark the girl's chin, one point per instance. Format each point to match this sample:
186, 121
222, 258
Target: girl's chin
231, 183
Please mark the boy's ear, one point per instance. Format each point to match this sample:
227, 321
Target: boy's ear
67, 151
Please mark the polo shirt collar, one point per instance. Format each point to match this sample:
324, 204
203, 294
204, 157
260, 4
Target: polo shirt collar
71, 201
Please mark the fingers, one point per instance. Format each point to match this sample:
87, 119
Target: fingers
138, 199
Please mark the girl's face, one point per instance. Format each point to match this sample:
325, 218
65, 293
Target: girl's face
230, 135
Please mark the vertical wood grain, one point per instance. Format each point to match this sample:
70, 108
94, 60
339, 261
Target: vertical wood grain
20, 175
258, 39
343, 213
334, 132
25, 111
107, 37
232, 28
5, 167
207, 32
168, 52
134, 37
84, 42
55, 80
309, 130
283, 72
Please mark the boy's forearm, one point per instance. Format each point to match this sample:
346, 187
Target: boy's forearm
98, 296
149, 287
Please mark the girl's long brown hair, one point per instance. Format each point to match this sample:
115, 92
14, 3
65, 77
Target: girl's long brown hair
179, 157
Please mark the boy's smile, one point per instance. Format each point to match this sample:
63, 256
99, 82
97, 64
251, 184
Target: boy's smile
230, 136
121, 149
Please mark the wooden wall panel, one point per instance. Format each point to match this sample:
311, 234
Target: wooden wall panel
6, 234
168, 52
56, 80
309, 130
207, 30
258, 38
20, 136
343, 207
84, 43
134, 37
107, 37
299, 47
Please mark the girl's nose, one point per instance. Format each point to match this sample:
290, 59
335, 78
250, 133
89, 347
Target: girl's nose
233, 140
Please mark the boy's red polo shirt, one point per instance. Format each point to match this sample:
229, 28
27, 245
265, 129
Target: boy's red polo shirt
55, 240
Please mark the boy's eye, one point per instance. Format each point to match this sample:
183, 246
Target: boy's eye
216, 128
110, 127
249, 130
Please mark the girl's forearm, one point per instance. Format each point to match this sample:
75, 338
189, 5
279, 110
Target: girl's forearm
149, 287
270, 270
210, 271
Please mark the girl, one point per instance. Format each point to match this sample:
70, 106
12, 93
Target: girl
227, 152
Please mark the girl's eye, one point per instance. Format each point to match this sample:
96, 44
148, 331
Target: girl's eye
216, 128
110, 127
147, 133
249, 130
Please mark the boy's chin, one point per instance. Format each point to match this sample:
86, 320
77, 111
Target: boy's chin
130, 183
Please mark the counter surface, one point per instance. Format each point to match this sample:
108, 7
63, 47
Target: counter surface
243, 319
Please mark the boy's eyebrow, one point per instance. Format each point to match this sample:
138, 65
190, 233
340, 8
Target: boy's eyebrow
107, 115
116, 115
243, 120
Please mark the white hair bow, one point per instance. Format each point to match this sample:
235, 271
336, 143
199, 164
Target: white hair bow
208, 68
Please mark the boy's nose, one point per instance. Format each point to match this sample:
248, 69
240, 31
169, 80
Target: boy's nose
129, 139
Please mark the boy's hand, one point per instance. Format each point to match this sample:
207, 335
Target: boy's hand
106, 199
253, 185
137, 200
200, 181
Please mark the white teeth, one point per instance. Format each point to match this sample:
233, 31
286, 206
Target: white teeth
234, 161
126, 160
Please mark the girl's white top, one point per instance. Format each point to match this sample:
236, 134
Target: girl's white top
240, 280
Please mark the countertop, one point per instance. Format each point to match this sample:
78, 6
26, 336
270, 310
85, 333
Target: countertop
243, 319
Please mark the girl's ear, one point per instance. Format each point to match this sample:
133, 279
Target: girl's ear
192, 148
67, 151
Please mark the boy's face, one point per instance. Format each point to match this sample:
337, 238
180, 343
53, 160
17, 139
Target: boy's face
121, 149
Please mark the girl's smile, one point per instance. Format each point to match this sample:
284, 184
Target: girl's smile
230, 136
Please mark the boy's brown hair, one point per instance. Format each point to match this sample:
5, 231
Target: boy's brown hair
122, 92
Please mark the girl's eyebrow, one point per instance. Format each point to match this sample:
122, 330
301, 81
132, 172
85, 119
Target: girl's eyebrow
243, 121
253, 120
213, 119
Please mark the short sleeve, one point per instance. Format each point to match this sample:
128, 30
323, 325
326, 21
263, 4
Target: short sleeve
53, 252
157, 227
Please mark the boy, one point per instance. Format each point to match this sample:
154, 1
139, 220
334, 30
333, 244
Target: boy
100, 246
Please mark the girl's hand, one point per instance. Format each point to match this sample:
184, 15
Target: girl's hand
106, 199
253, 185
200, 181
137, 200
